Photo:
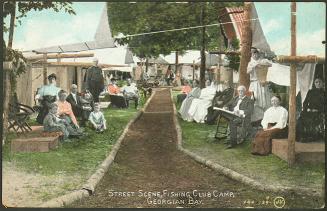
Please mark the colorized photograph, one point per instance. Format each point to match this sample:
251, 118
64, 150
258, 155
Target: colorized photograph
163, 104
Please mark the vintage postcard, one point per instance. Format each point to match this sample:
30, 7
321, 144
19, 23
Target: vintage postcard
163, 104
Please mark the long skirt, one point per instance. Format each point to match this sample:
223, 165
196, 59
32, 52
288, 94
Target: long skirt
261, 145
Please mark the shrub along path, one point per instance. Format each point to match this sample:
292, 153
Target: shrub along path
149, 164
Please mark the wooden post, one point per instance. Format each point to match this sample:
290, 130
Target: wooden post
292, 95
193, 69
244, 78
45, 69
203, 56
7, 77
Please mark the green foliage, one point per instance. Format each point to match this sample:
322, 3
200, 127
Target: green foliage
19, 64
23, 7
143, 17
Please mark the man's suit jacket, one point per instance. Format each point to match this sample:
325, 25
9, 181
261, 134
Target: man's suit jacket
246, 105
76, 106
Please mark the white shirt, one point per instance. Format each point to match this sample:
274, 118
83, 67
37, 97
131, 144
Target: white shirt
74, 96
237, 107
275, 114
130, 89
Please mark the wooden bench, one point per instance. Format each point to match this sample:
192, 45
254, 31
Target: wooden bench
36, 144
313, 152
36, 141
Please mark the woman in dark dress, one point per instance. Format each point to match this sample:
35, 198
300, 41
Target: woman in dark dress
311, 124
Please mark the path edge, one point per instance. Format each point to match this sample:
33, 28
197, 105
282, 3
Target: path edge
233, 174
90, 185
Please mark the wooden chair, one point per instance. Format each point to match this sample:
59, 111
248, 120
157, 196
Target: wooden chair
18, 116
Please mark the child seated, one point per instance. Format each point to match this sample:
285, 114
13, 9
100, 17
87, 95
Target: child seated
97, 119
52, 123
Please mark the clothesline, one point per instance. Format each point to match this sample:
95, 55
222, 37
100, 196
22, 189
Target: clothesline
184, 28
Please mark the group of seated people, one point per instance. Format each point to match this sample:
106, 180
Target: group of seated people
273, 124
195, 101
60, 111
120, 97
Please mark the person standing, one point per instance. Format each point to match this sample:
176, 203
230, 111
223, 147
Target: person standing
95, 80
261, 92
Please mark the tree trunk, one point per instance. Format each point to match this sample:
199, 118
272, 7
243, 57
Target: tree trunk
244, 78
203, 56
7, 88
292, 95
45, 71
177, 72
146, 65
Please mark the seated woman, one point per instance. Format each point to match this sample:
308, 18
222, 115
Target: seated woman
52, 123
195, 93
310, 125
274, 124
113, 89
46, 95
116, 95
65, 110
97, 119
199, 107
185, 90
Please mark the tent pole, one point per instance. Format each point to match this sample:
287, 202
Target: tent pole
45, 68
292, 96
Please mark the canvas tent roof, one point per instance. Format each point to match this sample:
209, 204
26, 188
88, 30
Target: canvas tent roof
234, 29
110, 56
102, 39
186, 58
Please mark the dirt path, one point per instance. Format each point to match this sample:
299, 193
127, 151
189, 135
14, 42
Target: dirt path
148, 163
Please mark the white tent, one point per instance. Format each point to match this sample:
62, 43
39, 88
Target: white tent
186, 58
109, 56
102, 39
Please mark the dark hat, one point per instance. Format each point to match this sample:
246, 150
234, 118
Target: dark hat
52, 76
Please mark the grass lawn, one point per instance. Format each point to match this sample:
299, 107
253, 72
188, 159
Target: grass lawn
80, 155
199, 138
77, 159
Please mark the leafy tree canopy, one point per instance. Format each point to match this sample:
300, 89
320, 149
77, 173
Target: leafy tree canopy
23, 7
136, 18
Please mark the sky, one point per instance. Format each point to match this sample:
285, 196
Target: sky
48, 28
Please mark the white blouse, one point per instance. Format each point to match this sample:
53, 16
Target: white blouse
275, 114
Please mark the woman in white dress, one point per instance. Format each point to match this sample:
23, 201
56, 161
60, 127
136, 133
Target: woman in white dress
199, 107
261, 92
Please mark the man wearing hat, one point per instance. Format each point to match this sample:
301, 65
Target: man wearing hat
95, 80
46, 95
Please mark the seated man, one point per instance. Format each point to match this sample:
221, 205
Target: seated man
242, 106
97, 119
274, 126
195, 93
46, 95
310, 125
199, 107
75, 101
185, 90
65, 109
52, 123
131, 93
